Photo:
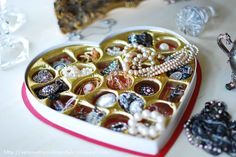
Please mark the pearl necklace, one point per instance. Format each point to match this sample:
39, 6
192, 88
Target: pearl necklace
133, 60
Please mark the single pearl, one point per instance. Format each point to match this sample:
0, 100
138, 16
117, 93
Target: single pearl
136, 59
134, 62
153, 53
137, 116
155, 114
132, 122
160, 119
145, 54
130, 72
144, 131
152, 132
150, 58
140, 47
159, 126
139, 55
135, 72
144, 49
132, 131
146, 114
164, 47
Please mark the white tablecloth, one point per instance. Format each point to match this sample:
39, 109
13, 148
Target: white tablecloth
24, 135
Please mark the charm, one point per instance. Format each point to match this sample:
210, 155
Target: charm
119, 127
224, 41
106, 100
212, 130
144, 39
95, 116
118, 81
43, 76
176, 92
61, 63
131, 103
147, 124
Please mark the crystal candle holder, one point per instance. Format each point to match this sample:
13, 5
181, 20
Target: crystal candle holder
192, 19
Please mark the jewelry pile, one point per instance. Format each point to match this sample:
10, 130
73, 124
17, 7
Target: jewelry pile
135, 60
212, 129
132, 83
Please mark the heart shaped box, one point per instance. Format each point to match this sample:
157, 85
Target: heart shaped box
104, 136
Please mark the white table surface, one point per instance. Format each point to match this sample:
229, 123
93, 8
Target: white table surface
21, 134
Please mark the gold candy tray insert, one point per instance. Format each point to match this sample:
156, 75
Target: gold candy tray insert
114, 85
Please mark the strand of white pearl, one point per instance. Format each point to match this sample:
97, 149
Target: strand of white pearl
136, 127
180, 58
